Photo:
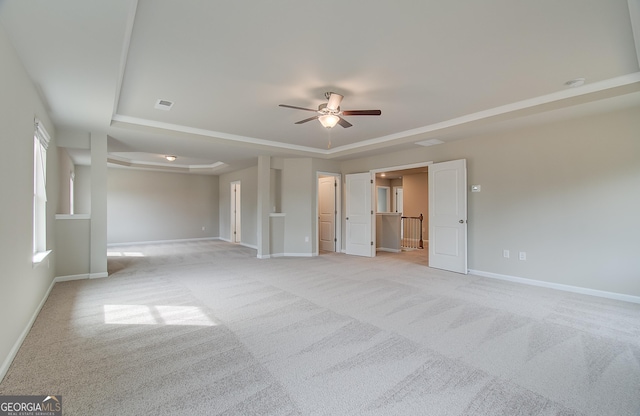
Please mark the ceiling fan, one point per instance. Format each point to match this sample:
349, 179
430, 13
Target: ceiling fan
330, 114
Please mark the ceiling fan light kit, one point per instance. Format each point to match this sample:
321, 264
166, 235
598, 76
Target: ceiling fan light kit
328, 120
330, 113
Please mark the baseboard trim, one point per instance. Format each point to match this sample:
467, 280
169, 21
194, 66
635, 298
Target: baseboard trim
98, 275
16, 346
184, 240
72, 277
276, 255
253, 246
389, 250
559, 286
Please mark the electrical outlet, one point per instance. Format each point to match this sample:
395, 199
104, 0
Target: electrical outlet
522, 255
505, 254
306, 239
202, 228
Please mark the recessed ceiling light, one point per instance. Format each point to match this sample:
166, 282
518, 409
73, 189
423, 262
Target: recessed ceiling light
575, 82
163, 105
431, 142
170, 158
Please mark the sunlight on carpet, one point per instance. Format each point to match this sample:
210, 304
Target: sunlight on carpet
156, 315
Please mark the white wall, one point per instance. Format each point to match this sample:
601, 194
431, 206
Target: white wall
155, 206
566, 193
23, 286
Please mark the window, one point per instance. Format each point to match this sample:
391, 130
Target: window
40, 145
72, 178
383, 199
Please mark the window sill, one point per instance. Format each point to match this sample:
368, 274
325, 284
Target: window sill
39, 257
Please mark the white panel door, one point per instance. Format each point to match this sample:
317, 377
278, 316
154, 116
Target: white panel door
359, 215
327, 213
448, 216
398, 200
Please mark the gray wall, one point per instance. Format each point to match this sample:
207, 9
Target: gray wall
298, 186
154, 206
23, 286
82, 191
73, 253
416, 199
566, 193
293, 192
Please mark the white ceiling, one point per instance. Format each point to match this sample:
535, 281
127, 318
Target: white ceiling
436, 69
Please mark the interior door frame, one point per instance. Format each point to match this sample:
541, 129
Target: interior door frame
394, 192
391, 169
338, 218
236, 212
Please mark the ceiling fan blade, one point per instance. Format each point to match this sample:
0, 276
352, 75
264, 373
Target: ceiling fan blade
297, 108
334, 101
361, 112
344, 123
306, 119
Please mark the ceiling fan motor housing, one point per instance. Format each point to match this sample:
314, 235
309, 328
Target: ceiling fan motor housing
322, 108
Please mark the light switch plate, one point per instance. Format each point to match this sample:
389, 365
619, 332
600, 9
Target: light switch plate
475, 188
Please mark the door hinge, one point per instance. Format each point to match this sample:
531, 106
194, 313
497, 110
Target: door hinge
371, 180
335, 240
372, 243
371, 212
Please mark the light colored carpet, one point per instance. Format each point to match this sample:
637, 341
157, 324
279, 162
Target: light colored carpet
205, 328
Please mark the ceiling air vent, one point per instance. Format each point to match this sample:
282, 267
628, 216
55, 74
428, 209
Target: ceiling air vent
164, 105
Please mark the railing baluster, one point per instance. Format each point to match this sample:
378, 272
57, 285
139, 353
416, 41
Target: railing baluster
412, 232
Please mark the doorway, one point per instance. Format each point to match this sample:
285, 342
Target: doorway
446, 212
236, 212
328, 209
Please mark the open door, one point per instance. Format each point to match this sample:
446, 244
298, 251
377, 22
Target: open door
398, 199
359, 215
448, 216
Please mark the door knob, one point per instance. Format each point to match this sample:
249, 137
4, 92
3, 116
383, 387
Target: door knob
461, 221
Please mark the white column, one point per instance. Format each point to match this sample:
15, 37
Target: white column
98, 259
264, 200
